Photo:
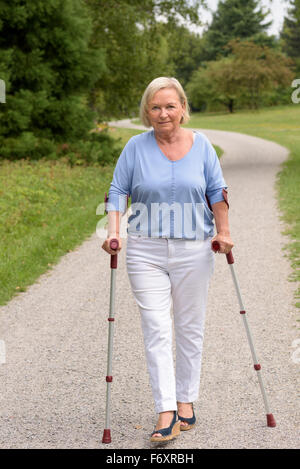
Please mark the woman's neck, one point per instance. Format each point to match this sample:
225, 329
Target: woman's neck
168, 138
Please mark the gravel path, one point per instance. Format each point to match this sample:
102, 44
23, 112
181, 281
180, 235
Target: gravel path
53, 382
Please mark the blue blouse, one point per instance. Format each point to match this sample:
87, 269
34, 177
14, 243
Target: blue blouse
168, 198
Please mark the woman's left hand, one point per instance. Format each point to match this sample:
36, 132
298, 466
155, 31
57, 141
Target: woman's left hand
224, 241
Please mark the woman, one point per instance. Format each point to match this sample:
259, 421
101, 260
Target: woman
177, 188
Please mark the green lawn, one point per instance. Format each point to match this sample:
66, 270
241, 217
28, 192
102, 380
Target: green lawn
123, 134
46, 209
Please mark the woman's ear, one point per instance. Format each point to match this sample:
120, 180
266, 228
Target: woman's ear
183, 111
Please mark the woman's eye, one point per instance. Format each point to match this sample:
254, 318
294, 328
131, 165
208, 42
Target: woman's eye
156, 108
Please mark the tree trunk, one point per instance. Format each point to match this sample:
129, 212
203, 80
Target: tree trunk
230, 105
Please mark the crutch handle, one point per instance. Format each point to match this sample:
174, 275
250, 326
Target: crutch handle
114, 244
216, 248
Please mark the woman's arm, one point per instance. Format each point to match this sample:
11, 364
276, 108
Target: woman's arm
113, 231
114, 223
120, 189
220, 211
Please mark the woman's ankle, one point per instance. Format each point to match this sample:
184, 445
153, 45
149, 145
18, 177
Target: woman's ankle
185, 406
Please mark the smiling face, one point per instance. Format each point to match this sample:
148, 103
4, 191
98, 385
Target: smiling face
165, 110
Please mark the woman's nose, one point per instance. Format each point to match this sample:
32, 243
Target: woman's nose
163, 112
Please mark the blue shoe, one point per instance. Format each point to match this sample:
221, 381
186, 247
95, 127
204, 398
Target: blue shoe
168, 433
190, 421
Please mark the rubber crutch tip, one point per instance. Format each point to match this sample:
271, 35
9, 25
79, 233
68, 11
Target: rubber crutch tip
106, 436
270, 420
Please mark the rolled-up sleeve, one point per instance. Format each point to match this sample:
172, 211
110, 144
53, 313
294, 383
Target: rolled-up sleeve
215, 183
121, 183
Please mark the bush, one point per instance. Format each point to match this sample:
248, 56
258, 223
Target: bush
49, 67
98, 149
27, 145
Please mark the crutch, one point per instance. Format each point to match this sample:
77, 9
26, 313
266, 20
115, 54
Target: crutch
114, 244
270, 418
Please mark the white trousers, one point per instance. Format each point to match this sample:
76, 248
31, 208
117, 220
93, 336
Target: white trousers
163, 271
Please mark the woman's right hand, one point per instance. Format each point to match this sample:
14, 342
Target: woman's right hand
106, 244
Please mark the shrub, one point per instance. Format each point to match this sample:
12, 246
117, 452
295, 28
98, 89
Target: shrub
98, 149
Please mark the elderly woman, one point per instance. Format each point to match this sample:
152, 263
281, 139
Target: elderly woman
177, 190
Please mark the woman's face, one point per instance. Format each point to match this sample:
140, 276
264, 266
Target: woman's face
165, 110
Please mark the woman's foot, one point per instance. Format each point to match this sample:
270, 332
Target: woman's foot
185, 410
164, 421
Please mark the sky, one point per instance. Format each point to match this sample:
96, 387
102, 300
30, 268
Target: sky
278, 11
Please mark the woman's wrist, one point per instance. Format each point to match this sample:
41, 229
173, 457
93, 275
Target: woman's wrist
224, 232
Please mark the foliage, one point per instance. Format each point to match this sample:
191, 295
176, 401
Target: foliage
290, 34
97, 149
48, 65
137, 50
235, 19
69, 63
185, 50
100, 149
242, 78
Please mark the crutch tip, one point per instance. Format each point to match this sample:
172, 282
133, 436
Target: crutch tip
106, 436
270, 420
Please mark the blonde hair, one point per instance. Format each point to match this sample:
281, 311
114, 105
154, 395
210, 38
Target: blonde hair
156, 85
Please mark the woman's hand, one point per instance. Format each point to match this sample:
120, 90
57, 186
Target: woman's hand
224, 241
106, 244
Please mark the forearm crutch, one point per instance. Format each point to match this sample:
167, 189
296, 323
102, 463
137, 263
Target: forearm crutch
114, 244
270, 418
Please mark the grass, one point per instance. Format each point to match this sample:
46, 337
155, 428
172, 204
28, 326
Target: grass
123, 134
47, 208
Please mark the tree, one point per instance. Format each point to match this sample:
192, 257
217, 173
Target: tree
185, 50
241, 79
290, 34
235, 19
48, 65
133, 55
137, 49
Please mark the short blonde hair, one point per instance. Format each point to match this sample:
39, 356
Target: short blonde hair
156, 85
